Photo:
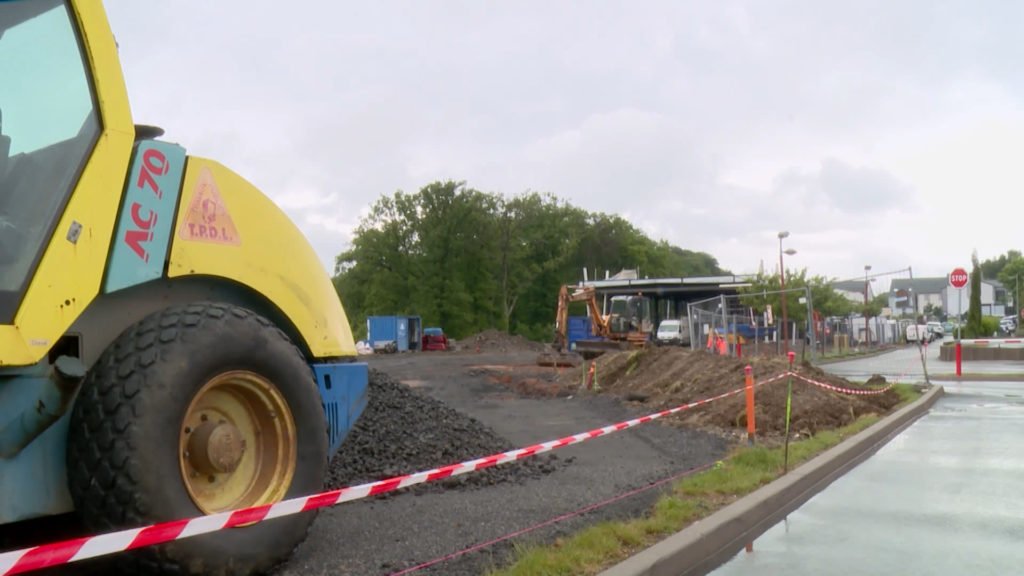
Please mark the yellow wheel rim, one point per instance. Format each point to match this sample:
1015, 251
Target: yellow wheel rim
237, 444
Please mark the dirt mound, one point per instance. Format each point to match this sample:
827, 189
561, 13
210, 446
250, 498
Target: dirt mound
526, 379
665, 377
498, 341
403, 431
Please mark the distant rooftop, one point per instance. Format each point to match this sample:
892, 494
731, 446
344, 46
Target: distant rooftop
932, 285
920, 285
849, 286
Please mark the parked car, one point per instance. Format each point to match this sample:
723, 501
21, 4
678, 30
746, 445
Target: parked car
1008, 324
673, 332
434, 339
919, 333
935, 330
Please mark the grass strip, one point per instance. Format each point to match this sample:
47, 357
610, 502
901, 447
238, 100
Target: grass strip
744, 470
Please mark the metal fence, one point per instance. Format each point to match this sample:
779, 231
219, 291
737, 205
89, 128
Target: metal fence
748, 324
745, 325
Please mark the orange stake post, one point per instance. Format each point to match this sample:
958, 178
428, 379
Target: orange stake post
749, 372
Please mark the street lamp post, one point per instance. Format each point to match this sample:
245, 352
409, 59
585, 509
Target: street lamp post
782, 284
867, 332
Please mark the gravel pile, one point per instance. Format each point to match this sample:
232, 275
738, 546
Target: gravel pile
403, 431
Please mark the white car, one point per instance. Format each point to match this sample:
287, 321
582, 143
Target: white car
673, 332
918, 333
1008, 324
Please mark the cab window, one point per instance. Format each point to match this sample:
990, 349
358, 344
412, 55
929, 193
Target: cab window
48, 127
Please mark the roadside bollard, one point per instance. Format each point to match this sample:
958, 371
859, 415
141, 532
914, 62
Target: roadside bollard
591, 377
959, 359
749, 377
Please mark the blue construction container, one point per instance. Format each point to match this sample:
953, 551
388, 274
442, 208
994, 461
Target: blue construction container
394, 333
579, 328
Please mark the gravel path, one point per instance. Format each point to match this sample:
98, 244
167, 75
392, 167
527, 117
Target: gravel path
451, 412
383, 536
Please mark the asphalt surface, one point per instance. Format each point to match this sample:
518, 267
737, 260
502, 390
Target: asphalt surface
905, 364
385, 536
942, 497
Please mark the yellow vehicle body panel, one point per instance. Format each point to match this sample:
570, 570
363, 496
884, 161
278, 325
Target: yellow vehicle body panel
229, 229
69, 274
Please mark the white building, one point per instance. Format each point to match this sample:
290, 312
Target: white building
904, 292
853, 290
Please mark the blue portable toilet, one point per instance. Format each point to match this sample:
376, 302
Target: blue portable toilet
394, 333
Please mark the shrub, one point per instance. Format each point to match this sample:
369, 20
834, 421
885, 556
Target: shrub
989, 326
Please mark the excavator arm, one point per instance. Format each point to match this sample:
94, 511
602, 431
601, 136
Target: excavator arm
605, 340
599, 324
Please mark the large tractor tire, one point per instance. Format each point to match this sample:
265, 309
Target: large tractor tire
198, 409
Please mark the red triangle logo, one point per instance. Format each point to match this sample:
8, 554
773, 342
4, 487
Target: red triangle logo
208, 219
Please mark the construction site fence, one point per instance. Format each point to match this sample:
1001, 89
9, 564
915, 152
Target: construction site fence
745, 334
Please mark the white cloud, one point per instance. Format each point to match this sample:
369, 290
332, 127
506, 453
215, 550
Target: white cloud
873, 134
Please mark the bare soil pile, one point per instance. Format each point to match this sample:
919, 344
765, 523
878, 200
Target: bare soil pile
528, 379
498, 341
666, 377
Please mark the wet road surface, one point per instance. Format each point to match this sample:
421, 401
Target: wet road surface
945, 496
906, 365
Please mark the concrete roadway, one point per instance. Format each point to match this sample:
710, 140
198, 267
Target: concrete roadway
945, 496
906, 363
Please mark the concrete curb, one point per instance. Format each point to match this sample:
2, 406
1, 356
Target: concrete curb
861, 356
978, 377
708, 543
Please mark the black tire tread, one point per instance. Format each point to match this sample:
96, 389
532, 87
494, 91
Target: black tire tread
103, 484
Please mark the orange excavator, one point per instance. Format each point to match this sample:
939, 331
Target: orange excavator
606, 337
599, 323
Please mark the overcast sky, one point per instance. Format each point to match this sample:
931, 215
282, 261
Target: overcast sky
881, 133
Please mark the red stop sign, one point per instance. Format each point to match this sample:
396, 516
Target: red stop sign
958, 278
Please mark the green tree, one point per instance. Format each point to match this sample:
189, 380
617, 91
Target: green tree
1011, 276
469, 260
992, 268
530, 246
824, 298
974, 326
873, 308
374, 274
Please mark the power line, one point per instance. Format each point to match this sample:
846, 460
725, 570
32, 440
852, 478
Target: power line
875, 275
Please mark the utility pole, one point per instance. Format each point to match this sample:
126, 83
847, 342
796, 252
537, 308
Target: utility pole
913, 292
782, 284
867, 331
812, 327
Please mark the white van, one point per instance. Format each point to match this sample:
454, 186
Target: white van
674, 332
918, 333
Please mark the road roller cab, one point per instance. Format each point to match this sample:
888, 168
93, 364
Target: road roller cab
170, 344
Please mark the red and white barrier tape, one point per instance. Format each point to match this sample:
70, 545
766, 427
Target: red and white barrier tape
869, 392
74, 550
